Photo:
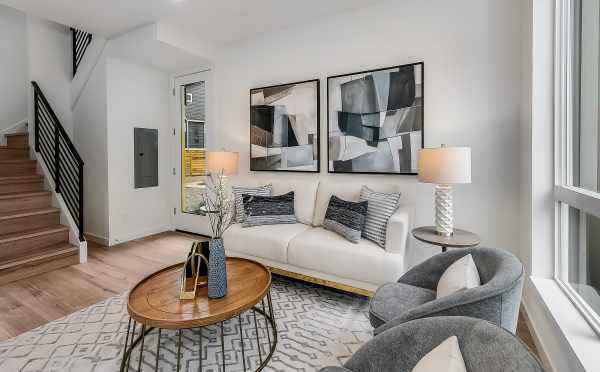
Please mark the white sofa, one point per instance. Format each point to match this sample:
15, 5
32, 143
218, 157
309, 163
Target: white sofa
308, 251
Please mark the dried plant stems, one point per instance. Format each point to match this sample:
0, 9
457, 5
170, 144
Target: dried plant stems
218, 204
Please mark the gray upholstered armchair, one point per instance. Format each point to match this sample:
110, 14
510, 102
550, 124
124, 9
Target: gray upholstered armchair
484, 347
497, 300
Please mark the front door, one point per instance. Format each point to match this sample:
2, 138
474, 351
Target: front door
192, 137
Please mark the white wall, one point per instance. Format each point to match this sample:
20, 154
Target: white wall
471, 51
91, 142
138, 96
13, 67
125, 91
50, 64
525, 134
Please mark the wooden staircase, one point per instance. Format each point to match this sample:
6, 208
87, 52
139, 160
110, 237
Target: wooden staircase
32, 240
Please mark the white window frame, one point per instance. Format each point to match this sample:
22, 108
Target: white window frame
566, 195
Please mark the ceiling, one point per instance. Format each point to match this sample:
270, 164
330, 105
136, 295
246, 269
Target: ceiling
215, 21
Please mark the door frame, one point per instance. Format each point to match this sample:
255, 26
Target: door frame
186, 221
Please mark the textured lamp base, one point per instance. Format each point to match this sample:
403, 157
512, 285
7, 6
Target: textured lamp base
444, 215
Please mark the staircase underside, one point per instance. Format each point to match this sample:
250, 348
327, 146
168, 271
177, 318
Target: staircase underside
32, 240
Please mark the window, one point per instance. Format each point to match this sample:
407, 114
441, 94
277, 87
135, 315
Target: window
577, 190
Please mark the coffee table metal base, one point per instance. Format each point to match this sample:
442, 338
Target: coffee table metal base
133, 341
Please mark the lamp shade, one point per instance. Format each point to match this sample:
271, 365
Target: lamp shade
223, 161
445, 165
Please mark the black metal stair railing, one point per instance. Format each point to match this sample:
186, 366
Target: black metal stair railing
81, 40
60, 155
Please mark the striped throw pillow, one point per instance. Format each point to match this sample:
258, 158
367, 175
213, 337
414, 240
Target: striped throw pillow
345, 218
269, 210
381, 207
238, 191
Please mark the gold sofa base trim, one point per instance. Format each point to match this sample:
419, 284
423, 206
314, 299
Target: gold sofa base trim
323, 282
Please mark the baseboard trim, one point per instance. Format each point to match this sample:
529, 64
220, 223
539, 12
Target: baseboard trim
536, 339
551, 315
13, 128
140, 234
193, 233
96, 239
323, 282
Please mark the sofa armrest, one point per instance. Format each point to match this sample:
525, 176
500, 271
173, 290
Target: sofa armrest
396, 236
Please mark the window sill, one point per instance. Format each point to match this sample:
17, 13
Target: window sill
580, 337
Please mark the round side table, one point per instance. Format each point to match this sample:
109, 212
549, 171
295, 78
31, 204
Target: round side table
460, 238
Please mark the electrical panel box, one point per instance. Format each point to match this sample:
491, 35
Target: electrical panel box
145, 157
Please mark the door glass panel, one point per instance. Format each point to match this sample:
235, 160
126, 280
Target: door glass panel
193, 151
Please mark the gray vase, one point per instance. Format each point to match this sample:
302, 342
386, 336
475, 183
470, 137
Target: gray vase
217, 270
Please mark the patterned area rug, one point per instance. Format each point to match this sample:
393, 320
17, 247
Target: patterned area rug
317, 327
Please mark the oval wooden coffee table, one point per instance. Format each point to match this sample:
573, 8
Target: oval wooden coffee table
154, 304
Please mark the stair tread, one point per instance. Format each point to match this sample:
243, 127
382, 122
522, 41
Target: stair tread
43, 253
27, 178
4, 147
32, 233
16, 134
16, 161
27, 212
15, 195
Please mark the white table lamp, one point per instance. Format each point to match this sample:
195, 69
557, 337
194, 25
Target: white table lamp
444, 166
223, 163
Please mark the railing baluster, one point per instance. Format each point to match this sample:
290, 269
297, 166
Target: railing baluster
74, 48
81, 202
56, 159
62, 159
36, 119
80, 40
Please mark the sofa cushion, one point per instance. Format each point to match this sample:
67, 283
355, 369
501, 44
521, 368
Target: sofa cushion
382, 205
305, 193
344, 189
346, 218
269, 210
268, 241
393, 299
444, 357
327, 252
461, 275
240, 191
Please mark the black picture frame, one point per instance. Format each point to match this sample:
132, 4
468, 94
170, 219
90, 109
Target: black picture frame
317, 141
422, 65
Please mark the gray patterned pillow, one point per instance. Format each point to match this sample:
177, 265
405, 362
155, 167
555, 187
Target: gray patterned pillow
381, 207
269, 210
346, 218
238, 191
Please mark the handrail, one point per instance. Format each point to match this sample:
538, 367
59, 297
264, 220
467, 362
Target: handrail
62, 130
65, 165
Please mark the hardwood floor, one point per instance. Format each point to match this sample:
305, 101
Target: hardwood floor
34, 301
31, 302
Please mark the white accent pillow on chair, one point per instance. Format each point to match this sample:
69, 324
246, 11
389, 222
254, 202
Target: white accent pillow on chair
446, 357
461, 275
